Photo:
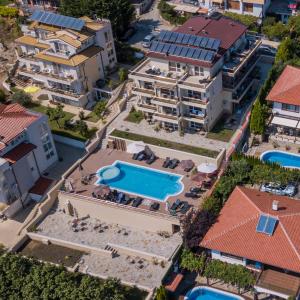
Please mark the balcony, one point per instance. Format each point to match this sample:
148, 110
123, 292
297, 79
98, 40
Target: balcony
146, 107
202, 103
27, 56
60, 92
196, 82
242, 90
165, 117
165, 100
148, 70
43, 73
143, 92
194, 118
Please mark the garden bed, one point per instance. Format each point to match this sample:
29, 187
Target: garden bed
164, 143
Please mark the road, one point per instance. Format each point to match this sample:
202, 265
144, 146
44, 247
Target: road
148, 23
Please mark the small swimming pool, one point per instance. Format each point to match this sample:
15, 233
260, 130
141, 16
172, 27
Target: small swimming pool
284, 159
208, 293
141, 181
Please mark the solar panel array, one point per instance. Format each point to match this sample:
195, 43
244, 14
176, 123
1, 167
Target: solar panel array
182, 51
57, 20
189, 39
266, 224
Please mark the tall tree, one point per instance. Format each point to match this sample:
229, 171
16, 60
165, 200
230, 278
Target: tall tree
119, 12
257, 121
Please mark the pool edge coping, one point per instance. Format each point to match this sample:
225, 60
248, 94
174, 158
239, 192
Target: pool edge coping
280, 151
148, 168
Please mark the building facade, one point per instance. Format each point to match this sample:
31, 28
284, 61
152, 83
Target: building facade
66, 57
26, 150
196, 74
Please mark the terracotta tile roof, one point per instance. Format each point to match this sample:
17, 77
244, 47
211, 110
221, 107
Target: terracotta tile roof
74, 60
18, 152
287, 86
41, 186
31, 41
235, 230
14, 119
225, 29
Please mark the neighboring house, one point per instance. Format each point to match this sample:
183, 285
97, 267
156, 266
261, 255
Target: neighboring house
286, 102
66, 56
256, 8
26, 151
141, 6
260, 231
195, 74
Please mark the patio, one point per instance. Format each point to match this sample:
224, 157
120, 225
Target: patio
105, 157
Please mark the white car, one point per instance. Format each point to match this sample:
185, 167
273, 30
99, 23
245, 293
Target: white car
278, 189
147, 40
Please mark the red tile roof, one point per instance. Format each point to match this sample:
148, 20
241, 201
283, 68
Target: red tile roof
18, 152
225, 29
14, 118
235, 229
287, 86
41, 186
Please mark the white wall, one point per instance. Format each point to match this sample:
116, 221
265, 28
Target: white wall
277, 108
217, 255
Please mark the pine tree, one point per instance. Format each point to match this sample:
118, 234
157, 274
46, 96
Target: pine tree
257, 121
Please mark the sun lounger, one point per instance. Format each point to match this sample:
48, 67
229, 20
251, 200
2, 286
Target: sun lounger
175, 205
184, 207
196, 190
120, 197
166, 162
137, 201
126, 200
141, 156
174, 163
151, 159
154, 206
135, 156
191, 195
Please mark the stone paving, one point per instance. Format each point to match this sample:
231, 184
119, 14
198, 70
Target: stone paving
127, 268
145, 129
59, 225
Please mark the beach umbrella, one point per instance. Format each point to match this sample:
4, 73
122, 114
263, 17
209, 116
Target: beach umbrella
199, 178
136, 147
187, 164
207, 168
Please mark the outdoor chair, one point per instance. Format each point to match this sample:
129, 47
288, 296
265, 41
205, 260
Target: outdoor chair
166, 162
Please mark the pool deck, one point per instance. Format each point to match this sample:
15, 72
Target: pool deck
105, 157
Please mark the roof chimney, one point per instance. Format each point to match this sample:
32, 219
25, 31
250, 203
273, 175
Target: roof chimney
275, 204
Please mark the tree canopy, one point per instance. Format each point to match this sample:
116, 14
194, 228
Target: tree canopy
257, 120
23, 278
22, 98
119, 12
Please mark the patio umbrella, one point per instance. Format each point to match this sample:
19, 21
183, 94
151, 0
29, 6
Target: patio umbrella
199, 178
207, 168
136, 147
186, 164
101, 190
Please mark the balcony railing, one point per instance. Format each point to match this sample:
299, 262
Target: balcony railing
166, 116
64, 92
143, 90
195, 100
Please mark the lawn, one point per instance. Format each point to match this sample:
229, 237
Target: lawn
92, 117
164, 143
135, 116
220, 133
58, 128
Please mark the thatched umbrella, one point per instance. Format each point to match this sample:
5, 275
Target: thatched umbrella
186, 165
101, 191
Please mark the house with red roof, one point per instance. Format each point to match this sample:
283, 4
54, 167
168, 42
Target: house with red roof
285, 100
26, 150
196, 73
260, 231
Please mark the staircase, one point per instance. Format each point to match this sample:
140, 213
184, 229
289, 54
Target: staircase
112, 250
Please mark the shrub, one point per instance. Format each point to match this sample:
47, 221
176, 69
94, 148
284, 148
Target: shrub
2, 96
123, 74
8, 12
22, 98
257, 119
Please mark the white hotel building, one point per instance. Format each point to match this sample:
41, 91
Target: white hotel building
66, 56
196, 74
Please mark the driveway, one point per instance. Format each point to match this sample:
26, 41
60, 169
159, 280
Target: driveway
150, 22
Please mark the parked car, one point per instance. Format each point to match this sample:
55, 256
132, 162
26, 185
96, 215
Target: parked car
278, 189
147, 40
267, 50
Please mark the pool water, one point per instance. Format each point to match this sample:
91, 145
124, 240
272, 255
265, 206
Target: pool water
207, 293
141, 181
282, 158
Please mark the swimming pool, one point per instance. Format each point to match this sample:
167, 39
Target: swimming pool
208, 293
141, 181
282, 158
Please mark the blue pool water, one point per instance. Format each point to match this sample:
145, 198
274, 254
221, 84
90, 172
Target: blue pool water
284, 159
206, 293
142, 181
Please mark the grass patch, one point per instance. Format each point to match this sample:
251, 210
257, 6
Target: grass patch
134, 116
73, 134
164, 143
92, 117
220, 133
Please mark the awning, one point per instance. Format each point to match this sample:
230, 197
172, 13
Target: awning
284, 122
278, 284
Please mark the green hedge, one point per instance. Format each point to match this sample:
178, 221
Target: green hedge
249, 21
8, 12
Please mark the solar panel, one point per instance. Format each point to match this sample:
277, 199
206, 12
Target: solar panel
161, 35
185, 39
216, 44
197, 41
192, 40
266, 224
57, 20
172, 49
184, 51
159, 47
196, 54
270, 226
173, 37
209, 43
178, 50
179, 38
190, 52
166, 48
261, 223
204, 42
153, 46
209, 56
167, 36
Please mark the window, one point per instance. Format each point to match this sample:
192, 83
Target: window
195, 125
248, 7
233, 4
61, 48
231, 256
290, 107
199, 71
175, 67
194, 94
106, 37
